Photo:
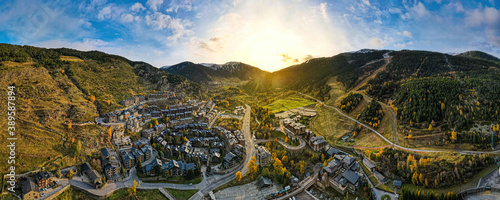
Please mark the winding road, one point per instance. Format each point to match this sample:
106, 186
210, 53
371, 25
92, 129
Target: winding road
392, 143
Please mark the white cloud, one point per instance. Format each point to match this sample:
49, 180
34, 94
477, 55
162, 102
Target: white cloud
403, 45
127, 18
378, 21
366, 2
104, 13
137, 7
175, 5
160, 21
406, 34
493, 36
376, 42
457, 6
154, 4
420, 10
324, 13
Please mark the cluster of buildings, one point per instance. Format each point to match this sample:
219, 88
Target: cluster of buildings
342, 173
134, 100
231, 138
31, 186
264, 157
111, 165
239, 110
294, 129
164, 95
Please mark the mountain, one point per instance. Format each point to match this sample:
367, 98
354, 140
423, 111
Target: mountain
54, 86
207, 72
424, 86
479, 55
315, 74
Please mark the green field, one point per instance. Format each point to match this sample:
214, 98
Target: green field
287, 103
181, 194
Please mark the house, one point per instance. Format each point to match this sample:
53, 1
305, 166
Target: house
332, 167
347, 181
332, 152
264, 156
139, 144
317, 143
230, 159
138, 155
127, 159
110, 164
265, 182
369, 165
150, 169
94, 176
348, 161
43, 179
178, 168
30, 189
147, 151
397, 183
381, 178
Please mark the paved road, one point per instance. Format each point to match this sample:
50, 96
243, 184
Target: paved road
284, 144
396, 145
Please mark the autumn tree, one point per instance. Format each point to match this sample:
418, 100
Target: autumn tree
70, 125
453, 136
92, 98
238, 176
430, 127
110, 132
109, 102
70, 174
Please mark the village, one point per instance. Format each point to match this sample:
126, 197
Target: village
181, 141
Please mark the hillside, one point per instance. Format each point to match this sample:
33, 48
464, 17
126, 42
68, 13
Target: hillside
418, 83
205, 73
479, 55
54, 86
314, 75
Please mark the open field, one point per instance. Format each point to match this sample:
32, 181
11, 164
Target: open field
181, 194
71, 58
289, 102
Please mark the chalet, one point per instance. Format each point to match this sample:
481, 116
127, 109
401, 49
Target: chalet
127, 159
369, 165
147, 150
111, 118
332, 167
397, 184
331, 152
230, 159
178, 168
94, 176
347, 162
381, 178
110, 164
43, 179
317, 143
265, 182
347, 181
156, 114
264, 156
139, 144
150, 169
138, 155
30, 189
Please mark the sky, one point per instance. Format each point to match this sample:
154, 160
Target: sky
267, 34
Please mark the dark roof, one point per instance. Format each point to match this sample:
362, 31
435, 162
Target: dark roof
397, 183
351, 176
94, 175
332, 151
264, 182
106, 152
29, 185
42, 174
229, 156
86, 167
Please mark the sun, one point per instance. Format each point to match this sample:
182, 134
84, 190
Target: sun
264, 50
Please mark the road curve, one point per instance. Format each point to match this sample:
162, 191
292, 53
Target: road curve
393, 144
